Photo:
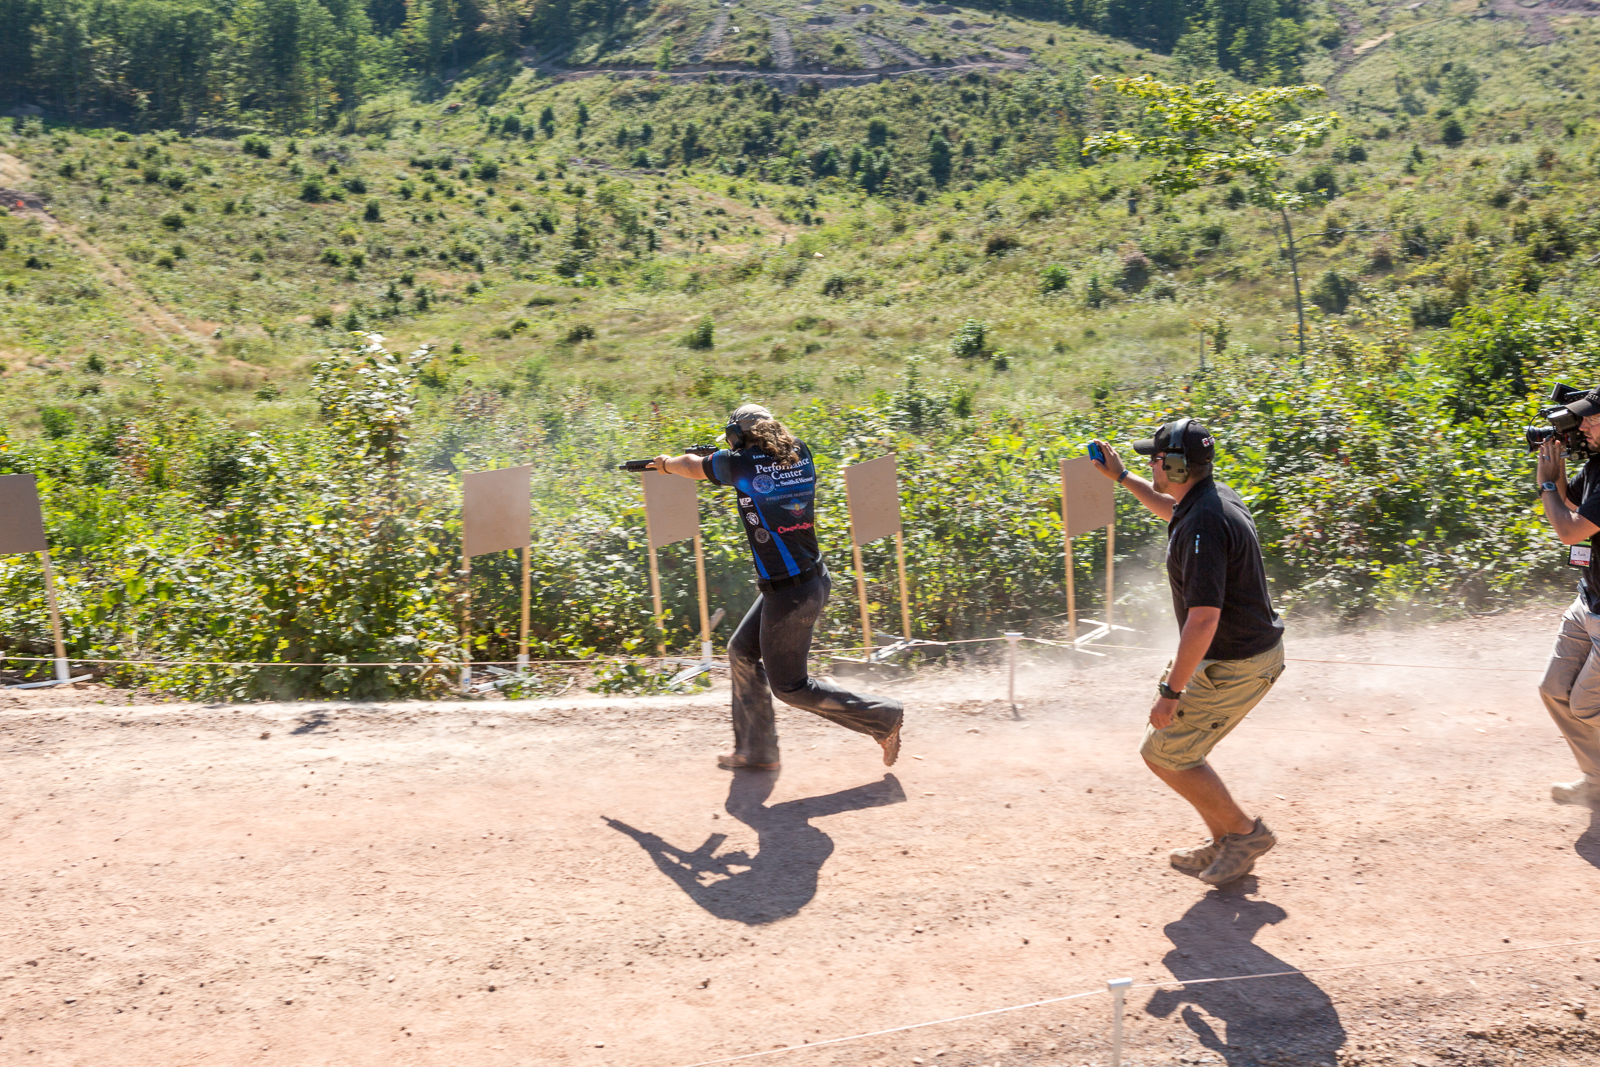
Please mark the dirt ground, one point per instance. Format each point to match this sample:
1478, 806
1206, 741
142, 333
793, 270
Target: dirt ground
575, 883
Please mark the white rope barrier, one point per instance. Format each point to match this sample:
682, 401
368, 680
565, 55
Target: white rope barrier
1122, 985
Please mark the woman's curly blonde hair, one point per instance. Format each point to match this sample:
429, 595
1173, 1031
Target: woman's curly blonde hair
762, 430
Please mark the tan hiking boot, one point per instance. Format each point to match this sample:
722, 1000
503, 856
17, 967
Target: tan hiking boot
1237, 854
891, 744
1194, 860
1583, 793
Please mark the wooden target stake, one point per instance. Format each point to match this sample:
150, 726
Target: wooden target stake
527, 578
700, 583
905, 599
655, 598
861, 592
466, 617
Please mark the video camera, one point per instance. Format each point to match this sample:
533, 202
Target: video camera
1565, 413
646, 464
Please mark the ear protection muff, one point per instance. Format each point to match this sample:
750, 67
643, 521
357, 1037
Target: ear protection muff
1176, 464
734, 435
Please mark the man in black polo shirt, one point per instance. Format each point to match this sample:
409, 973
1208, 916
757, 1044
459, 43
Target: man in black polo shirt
1231, 648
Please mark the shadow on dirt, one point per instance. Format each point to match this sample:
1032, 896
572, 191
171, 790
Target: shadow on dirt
1263, 1019
1588, 844
781, 878
311, 722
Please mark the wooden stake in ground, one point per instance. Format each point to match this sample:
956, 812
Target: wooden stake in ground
22, 530
872, 490
1087, 503
496, 510
672, 514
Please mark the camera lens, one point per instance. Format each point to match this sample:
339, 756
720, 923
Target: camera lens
1538, 435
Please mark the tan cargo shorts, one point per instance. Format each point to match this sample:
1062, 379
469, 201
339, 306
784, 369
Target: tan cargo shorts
1219, 695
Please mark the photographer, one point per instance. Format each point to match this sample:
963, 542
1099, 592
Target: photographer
1231, 649
776, 482
1571, 685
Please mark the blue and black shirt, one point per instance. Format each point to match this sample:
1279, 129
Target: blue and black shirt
776, 506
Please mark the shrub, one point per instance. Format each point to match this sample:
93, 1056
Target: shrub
841, 284
374, 211
1135, 274
1333, 292
355, 185
332, 257
173, 220
1433, 307
1095, 293
322, 318
254, 145
488, 170
970, 340
1054, 278
998, 244
311, 192
702, 335
56, 422
579, 331
1452, 133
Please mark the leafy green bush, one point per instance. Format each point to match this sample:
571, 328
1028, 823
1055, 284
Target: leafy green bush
1333, 292
971, 340
1054, 278
702, 335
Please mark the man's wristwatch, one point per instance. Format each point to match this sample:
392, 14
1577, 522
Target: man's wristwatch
1547, 487
1167, 692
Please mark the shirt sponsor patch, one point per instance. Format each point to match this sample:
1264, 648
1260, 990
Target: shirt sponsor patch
762, 484
761, 534
752, 518
745, 502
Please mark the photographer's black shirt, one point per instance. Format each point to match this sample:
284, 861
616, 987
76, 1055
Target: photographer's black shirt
1584, 491
776, 502
1214, 561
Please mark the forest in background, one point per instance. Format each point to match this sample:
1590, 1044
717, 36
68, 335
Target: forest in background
294, 65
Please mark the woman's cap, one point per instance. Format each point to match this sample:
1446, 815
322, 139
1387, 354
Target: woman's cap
749, 414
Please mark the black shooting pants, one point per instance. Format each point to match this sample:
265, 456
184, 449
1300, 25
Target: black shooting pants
769, 650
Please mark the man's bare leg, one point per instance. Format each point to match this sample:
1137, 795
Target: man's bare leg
1201, 787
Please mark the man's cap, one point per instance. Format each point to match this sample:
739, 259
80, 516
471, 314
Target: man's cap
1197, 446
1586, 405
749, 414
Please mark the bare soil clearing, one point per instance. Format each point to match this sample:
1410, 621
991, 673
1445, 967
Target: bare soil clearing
574, 882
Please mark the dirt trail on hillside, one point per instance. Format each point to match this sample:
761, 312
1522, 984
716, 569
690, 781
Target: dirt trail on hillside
143, 310
573, 882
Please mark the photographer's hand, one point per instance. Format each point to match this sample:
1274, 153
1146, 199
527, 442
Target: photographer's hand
1553, 464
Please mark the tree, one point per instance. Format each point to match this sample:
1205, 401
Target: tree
1210, 135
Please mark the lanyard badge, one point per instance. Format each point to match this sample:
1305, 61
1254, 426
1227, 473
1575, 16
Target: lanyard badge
1579, 555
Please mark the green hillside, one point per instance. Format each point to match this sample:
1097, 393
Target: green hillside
907, 251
